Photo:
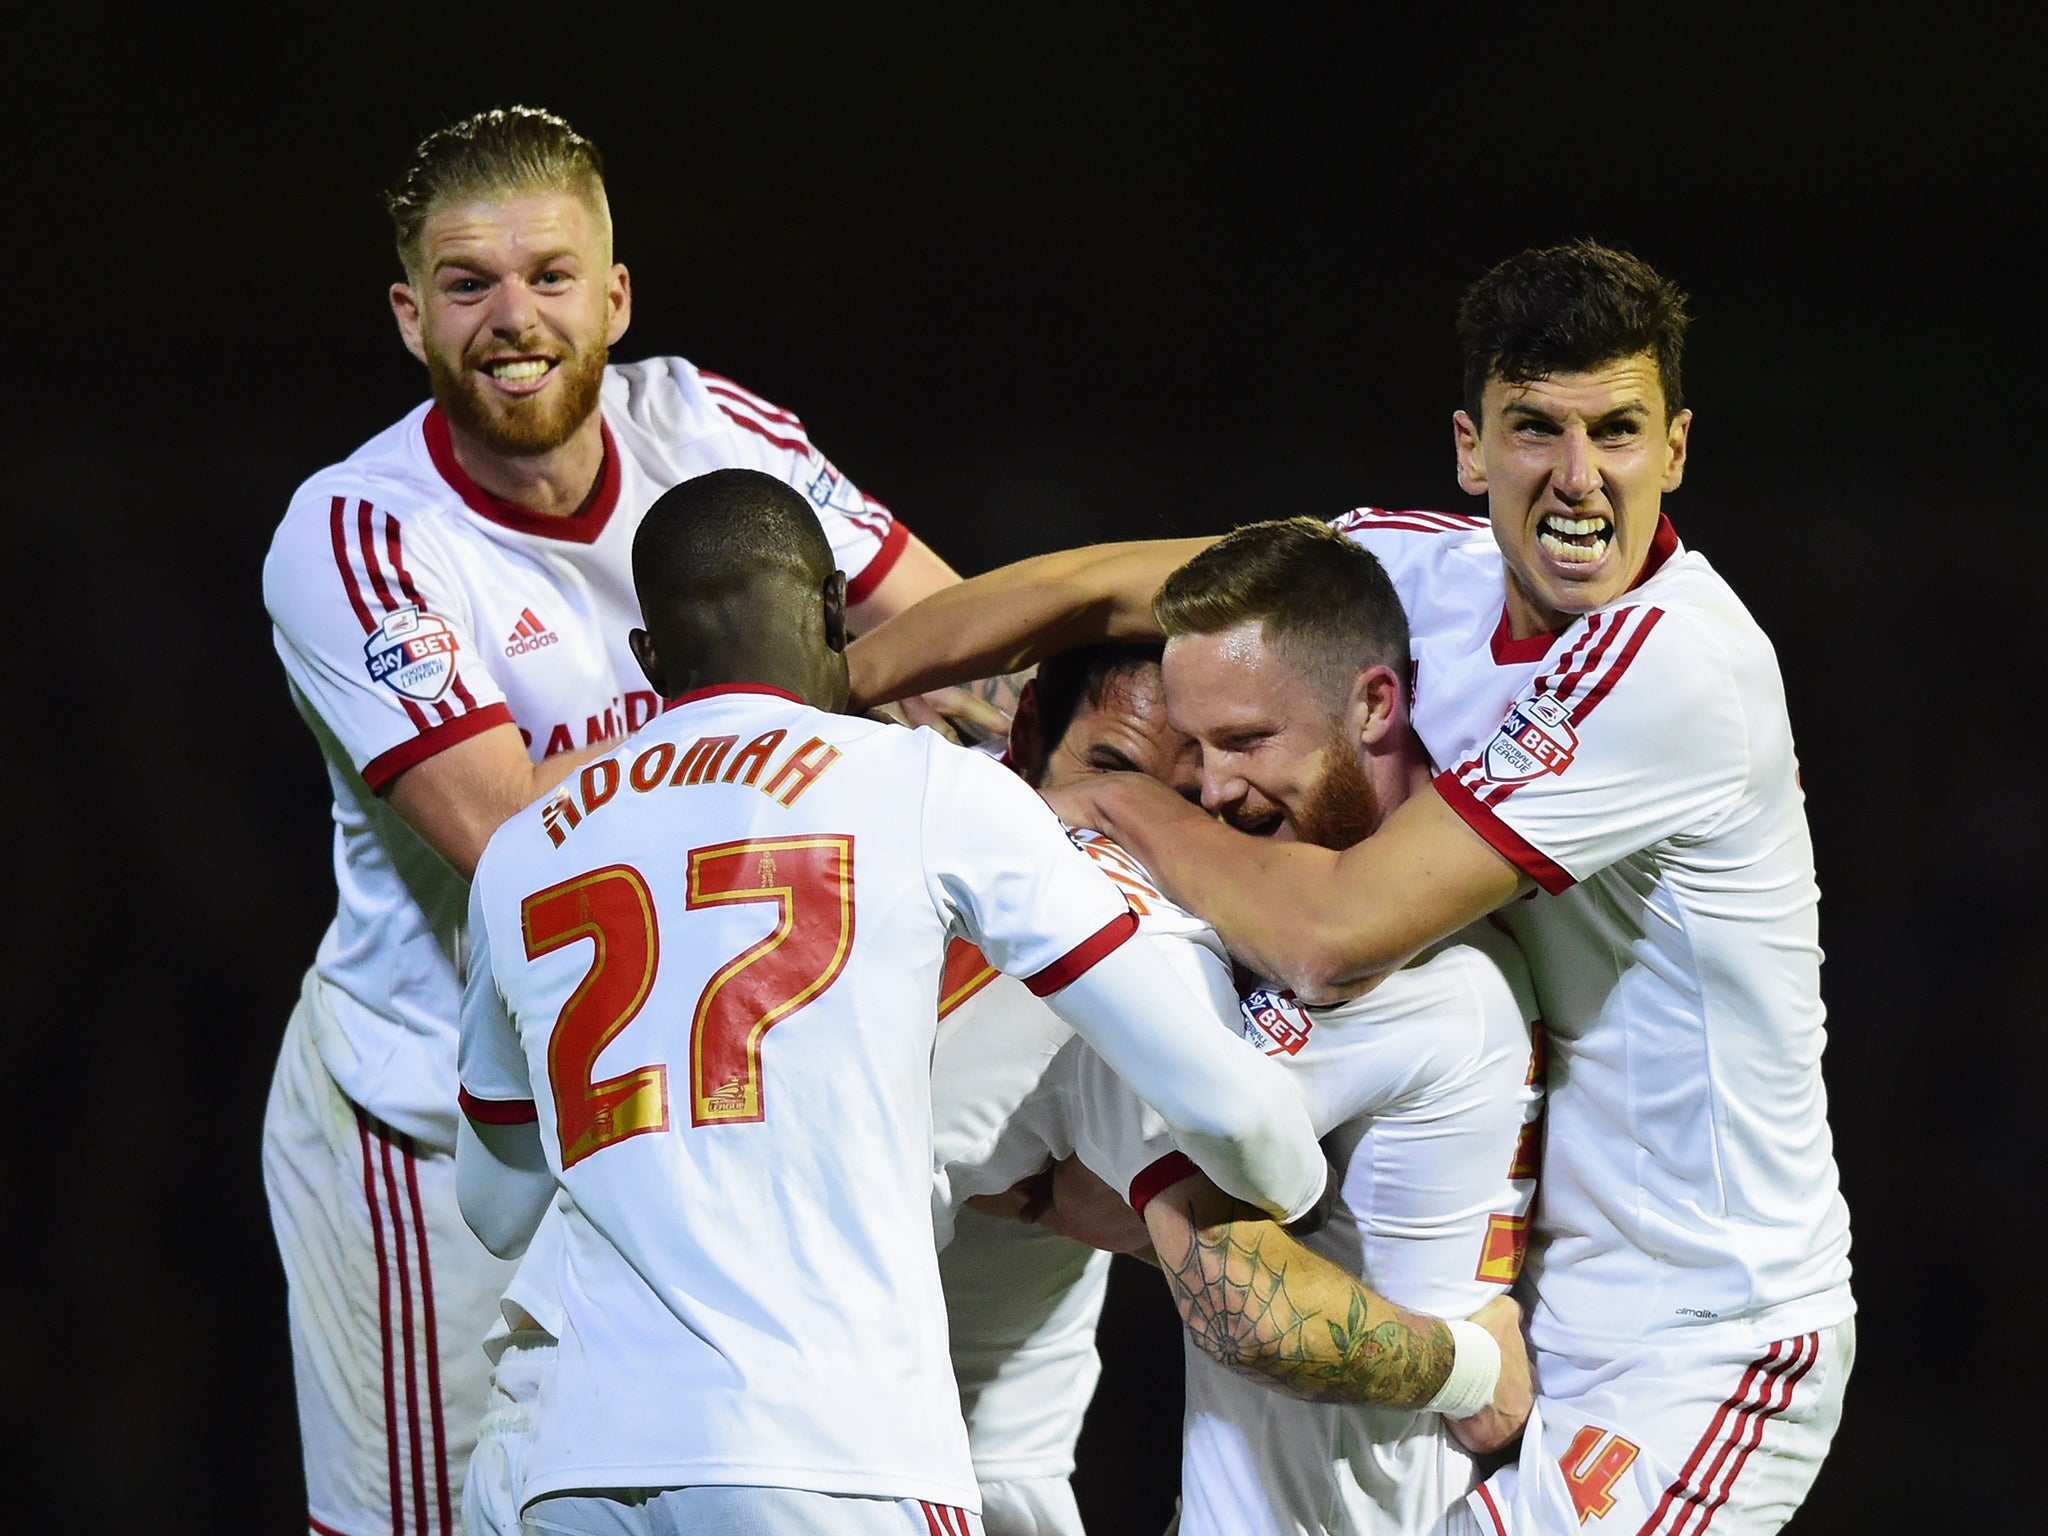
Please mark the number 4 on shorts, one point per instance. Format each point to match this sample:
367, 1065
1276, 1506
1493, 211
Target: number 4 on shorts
1593, 1464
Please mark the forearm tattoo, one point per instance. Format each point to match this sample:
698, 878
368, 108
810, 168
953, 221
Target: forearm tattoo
1234, 1297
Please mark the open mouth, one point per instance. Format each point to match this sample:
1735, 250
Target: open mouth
1575, 540
1260, 824
518, 373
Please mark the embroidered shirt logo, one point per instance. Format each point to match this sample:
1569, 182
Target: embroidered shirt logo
412, 654
1535, 739
1274, 1022
529, 634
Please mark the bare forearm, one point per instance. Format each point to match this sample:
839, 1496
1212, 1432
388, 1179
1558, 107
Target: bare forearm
1015, 616
458, 798
1254, 1299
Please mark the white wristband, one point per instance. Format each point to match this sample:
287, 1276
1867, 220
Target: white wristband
1475, 1372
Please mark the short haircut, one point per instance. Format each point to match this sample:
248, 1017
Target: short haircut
496, 155
1324, 602
1084, 672
1570, 309
724, 534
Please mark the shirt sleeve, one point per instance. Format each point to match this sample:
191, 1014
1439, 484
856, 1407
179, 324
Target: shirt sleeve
1634, 734
374, 633
866, 537
490, 1064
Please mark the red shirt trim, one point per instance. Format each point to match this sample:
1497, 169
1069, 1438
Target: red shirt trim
1508, 651
496, 1111
580, 527
1159, 1178
1077, 962
862, 587
380, 770
716, 689
1502, 838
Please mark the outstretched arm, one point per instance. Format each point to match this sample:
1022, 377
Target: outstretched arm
1011, 617
1327, 924
1255, 1299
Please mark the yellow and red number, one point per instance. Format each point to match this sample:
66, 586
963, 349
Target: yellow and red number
1591, 1469
613, 908
810, 880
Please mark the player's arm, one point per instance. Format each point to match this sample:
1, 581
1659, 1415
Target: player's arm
502, 1183
1010, 618
1254, 1298
502, 1180
1326, 924
458, 797
1229, 1108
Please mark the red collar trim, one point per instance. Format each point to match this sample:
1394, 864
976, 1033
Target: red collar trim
716, 689
1508, 651
580, 527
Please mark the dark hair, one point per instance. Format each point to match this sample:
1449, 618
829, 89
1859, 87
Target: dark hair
1083, 672
502, 153
1568, 309
726, 532
1322, 600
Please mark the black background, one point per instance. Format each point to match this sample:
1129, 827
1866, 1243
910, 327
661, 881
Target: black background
1033, 278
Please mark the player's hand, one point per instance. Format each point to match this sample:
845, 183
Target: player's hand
1026, 1200
1496, 1425
1080, 804
1089, 1211
958, 714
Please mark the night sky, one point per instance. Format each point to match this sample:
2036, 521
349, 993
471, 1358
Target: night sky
1033, 278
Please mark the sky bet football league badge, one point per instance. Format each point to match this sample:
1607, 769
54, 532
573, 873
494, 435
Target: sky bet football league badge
412, 653
1535, 739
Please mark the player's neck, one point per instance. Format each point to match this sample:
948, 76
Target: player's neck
555, 483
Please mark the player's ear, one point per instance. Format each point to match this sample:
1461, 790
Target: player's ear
1465, 441
618, 297
1676, 437
1376, 709
405, 309
1027, 740
834, 594
650, 663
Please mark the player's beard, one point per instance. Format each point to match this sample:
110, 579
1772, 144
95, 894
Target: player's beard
520, 425
1343, 808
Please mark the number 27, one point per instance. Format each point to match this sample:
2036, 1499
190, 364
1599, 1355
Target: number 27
810, 882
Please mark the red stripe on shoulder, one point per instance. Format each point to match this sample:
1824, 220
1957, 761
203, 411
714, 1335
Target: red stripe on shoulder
862, 587
793, 444
1076, 962
380, 770
719, 384
1502, 838
1159, 1177
337, 533
497, 1111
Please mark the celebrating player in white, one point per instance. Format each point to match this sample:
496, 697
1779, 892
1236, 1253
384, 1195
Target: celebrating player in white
1617, 779
451, 604
1286, 659
730, 1078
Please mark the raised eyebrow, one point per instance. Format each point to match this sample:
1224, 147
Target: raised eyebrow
1103, 749
1622, 412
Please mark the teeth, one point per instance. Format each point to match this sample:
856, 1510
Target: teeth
532, 368
1575, 554
1576, 524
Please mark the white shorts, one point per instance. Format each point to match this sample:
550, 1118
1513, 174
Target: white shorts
741, 1511
1674, 1441
390, 1295
497, 1472
1030, 1506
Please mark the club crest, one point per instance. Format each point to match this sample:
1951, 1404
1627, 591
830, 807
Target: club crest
412, 654
1274, 1022
1535, 739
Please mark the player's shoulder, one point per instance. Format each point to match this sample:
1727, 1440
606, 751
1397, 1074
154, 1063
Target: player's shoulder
1157, 913
353, 512
1405, 535
671, 397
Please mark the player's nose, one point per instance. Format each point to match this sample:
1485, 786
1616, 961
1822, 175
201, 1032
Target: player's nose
513, 309
1221, 787
1577, 474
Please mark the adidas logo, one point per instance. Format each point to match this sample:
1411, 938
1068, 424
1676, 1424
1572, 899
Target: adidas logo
529, 634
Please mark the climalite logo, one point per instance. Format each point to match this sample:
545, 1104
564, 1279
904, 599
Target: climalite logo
1274, 1022
1535, 739
412, 654
529, 634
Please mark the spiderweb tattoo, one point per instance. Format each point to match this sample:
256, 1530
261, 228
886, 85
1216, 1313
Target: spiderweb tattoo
1234, 1296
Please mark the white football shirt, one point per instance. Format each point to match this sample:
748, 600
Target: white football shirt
1427, 1093
1639, 768
412, 610
716, 954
